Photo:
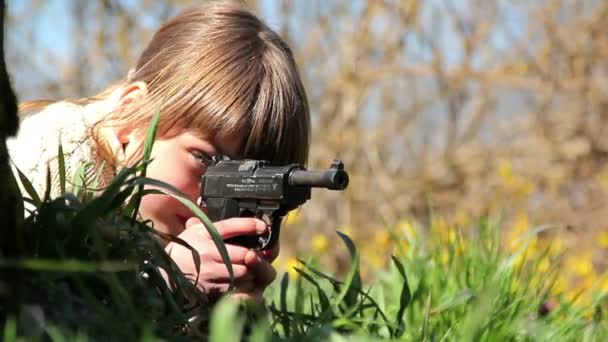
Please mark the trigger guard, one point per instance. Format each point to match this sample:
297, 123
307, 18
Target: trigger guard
265, 241
268, 241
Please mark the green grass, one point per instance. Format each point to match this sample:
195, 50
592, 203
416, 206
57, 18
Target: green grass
90, 271
479, 294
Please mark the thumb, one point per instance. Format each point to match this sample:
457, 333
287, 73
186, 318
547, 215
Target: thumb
192, 221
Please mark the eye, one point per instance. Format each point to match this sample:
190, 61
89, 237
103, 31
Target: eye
203, 157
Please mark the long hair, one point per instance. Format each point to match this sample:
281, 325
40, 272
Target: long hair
220, 70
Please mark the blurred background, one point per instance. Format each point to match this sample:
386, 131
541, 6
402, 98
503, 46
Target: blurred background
443, 111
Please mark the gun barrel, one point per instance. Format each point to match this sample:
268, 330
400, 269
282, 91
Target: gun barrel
332, 179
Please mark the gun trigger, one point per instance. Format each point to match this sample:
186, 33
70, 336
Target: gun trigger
273, 233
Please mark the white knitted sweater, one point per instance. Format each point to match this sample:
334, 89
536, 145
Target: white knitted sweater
35, 149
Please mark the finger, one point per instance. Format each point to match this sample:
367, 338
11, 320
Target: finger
218, 273
255, 296
263, 271
240, 226
192, 222
236, 253
271, 254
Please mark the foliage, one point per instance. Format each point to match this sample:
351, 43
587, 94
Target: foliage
448, 286
89, 265
86, 256
468, 108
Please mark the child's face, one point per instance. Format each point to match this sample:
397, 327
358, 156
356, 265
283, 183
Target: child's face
176, 161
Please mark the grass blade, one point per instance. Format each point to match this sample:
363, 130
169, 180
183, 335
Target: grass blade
425, 322
170, 190
322, 297
226, 325
28, 187
353, 280
148, 144
61, 167
73, 266
404, 299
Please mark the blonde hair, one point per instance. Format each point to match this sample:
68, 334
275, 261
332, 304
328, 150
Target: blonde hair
218, 69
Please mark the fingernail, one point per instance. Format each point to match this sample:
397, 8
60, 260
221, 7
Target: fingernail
260, 227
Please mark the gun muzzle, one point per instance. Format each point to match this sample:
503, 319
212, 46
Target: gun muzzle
334, 179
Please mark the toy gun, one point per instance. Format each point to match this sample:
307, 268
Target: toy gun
255, 188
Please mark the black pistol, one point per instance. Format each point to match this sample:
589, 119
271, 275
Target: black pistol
255, 188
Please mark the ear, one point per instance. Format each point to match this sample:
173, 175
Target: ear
128, 140
127, 135
132, 92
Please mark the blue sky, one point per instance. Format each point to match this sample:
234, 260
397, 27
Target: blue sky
53, 32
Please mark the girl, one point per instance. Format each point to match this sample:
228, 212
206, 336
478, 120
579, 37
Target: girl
224, 83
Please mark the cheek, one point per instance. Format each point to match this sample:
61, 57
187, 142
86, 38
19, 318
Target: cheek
162, 209
179, 174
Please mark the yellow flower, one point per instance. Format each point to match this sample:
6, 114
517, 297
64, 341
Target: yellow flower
524, 188
319, 243
588, 281
402, 248
440, 224
522, 224
374, 258
445, 258
513, 183
516, 236
451, 235
557, 246
559, 285
506, 174
579, 295
292, 217
573, 296
407, 228
461, 247
602, 239
533, 245
290, 265
382, 239
604, 284
544, 265
520, 259
462, 219
581, 264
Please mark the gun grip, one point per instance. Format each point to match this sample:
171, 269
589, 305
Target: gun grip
222, 208
260, 242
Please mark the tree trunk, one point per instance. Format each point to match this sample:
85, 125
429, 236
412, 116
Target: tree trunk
11, 202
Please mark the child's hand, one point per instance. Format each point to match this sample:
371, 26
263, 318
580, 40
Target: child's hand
252, 270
